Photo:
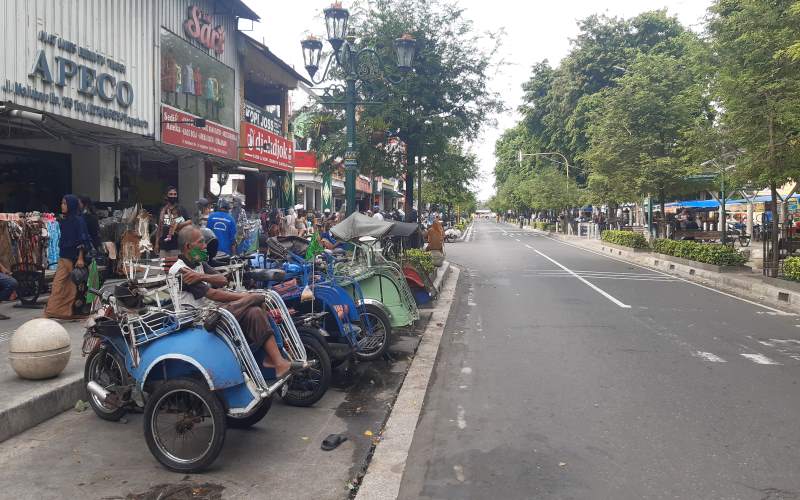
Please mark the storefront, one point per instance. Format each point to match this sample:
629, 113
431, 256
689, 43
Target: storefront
73, 100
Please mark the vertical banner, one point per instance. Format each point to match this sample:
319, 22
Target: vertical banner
327, 190
288, 189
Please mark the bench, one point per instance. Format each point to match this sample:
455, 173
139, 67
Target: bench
697, 234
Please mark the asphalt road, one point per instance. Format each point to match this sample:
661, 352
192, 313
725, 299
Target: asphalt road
566, 374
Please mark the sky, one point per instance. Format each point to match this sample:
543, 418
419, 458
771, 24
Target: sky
533, 31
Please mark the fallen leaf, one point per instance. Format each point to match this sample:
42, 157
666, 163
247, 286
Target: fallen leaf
368, 433
562, 464
305, 438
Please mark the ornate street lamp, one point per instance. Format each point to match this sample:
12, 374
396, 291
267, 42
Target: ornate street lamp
356, 66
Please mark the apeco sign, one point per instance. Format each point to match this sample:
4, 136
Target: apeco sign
199, 27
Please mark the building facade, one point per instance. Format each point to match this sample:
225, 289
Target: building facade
118, 99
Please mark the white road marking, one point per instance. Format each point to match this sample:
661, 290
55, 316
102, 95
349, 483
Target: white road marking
777, 311
760, 359
708, 356
516, 239
461, 418
583, 280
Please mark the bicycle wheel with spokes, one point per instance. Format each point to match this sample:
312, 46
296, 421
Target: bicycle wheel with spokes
376, 329
184, 425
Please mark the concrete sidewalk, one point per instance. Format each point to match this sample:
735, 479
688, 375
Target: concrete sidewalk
26, 403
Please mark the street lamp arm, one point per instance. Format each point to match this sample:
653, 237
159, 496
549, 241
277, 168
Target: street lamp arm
366, 71
324, 76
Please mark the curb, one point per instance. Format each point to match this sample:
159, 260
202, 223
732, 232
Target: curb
42, 406
441, 273
385, 472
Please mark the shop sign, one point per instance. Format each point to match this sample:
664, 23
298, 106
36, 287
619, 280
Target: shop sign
94, 75
199, 27
261, 118
305, 160
363, 185
265, 148
213, 139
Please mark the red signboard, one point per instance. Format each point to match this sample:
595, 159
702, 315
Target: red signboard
305, 160
213, 139
265, 148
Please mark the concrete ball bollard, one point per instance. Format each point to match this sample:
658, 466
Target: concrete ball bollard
40, 349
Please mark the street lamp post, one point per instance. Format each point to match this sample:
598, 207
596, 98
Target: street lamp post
356, 65
521, 155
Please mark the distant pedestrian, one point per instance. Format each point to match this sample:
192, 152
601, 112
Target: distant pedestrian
72, 246
8, 286
171, 219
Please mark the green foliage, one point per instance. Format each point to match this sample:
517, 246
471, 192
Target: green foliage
791, 268
624, 238
709, 253
420, 259
544, 226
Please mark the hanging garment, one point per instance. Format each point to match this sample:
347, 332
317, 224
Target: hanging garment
198, 82
188, 80
178, 78
168, 77
54, 237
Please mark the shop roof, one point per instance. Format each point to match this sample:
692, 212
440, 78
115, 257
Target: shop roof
240, 9
258, 56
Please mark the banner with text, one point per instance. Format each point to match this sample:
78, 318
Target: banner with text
213, 139
265, 148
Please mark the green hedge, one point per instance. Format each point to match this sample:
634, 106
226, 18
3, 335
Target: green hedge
624, 238
708, 253
421, 259
544, 226
791, 268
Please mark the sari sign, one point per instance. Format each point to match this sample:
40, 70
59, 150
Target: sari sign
200, 27
261, 146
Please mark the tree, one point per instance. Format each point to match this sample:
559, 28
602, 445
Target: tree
758, 85
446, 96
639, 129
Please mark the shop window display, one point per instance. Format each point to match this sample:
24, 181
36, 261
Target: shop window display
195, 82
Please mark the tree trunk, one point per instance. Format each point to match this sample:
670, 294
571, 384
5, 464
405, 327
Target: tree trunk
775, 260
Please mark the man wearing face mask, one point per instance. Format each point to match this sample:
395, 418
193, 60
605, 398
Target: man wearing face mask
171, 220
201, 284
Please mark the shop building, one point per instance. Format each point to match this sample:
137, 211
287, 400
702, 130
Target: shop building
119, 99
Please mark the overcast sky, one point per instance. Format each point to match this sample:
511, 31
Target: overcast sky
534, 31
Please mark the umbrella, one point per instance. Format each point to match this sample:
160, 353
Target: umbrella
403, 229
357, 225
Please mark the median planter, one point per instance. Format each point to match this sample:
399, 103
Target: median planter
663, 259
612, 248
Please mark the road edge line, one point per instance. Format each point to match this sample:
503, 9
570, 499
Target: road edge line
385, 471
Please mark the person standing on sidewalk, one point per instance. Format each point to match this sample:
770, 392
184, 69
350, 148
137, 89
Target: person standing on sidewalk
224, 227
171, 220
8, 287
72, 245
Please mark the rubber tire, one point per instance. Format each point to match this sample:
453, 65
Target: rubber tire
217, 414
112, 416
312, 345
253, 418
378, 313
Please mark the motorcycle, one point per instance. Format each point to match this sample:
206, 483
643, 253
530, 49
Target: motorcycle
191, 370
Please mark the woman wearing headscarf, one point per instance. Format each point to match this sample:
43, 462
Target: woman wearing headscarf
435, 238
289, 223
74, 241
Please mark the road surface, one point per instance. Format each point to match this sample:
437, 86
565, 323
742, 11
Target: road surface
566, 374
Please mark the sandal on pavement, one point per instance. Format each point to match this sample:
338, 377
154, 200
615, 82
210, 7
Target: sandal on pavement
333, 441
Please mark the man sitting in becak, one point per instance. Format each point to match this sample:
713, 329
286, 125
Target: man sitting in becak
202, 283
